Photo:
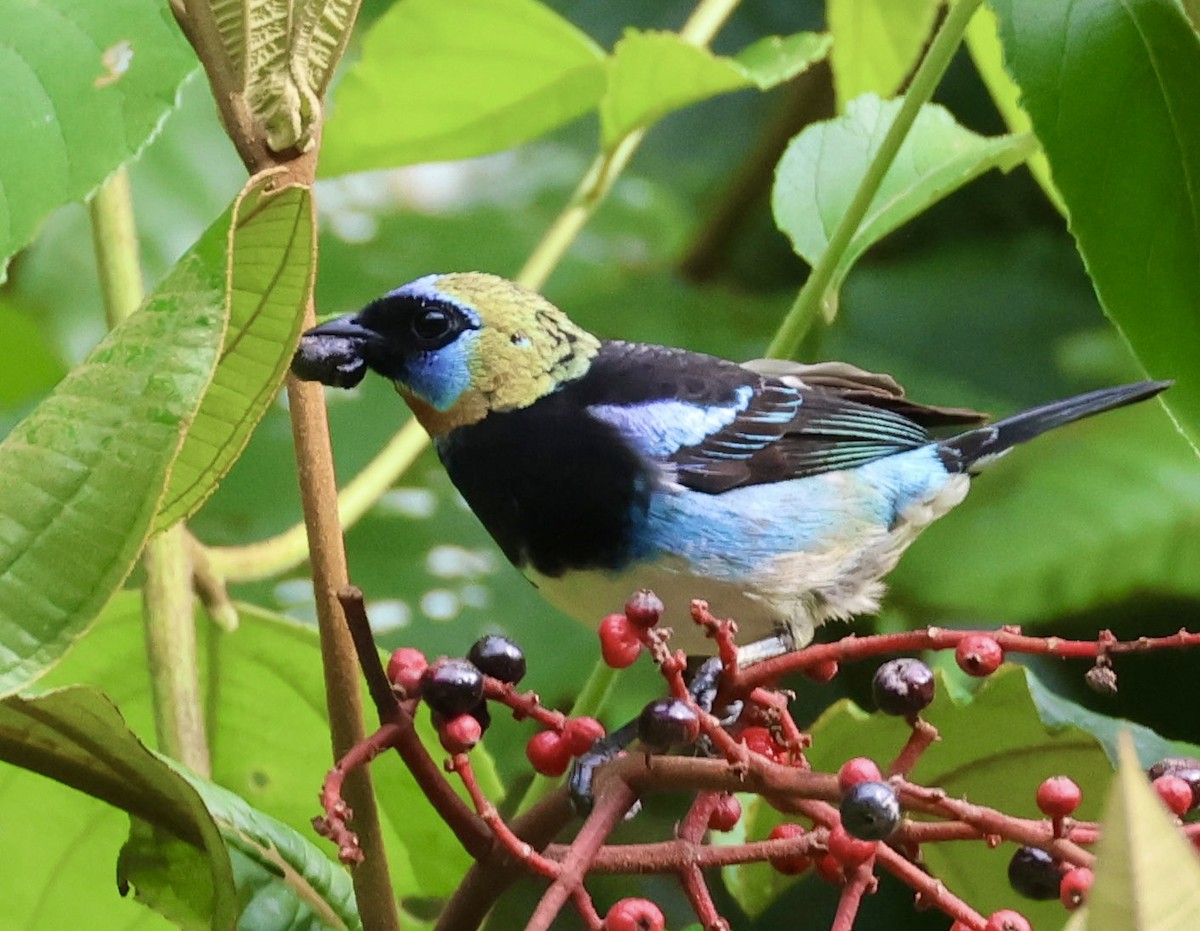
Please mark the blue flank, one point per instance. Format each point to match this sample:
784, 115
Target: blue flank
733, 534
660, 428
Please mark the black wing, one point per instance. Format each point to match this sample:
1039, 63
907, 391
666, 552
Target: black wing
721, 425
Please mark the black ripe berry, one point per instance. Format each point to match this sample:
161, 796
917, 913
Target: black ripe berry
870, 810
499, 658
452, 687
902, 687
667, 722
1034, 874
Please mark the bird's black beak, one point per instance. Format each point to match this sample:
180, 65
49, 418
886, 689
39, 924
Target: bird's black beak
333, 353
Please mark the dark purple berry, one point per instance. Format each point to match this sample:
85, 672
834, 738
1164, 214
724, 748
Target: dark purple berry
499, 658
1034, 874
902, 687
452, 687
870, 810
667, 722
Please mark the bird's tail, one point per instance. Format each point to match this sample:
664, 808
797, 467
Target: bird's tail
970, 451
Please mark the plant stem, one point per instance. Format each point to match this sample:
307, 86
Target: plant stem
167, 598
278, 554
343, 698
701, 26
813, 295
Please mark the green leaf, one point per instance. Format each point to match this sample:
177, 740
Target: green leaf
823, 166
994, 750
1111, 88
447, 79
85, 471
77, 737
86, 85
269, 733
984, 45
1147, 877
279, 872
1088, 515
40, 367
653, 73
270, 275
876, 43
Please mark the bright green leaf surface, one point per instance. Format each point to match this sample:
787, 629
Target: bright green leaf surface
447, 79
77, 737
86, 84
984, 45
84, 472
1111, 88
821, 169
1147, 876
876, 43
995, 750
654, 73
270, 735
270, 273
1116, 500
284, 879
39, 367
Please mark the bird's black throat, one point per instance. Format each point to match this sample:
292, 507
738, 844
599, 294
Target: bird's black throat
558, 490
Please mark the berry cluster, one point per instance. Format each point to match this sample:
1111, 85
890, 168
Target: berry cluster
736, 734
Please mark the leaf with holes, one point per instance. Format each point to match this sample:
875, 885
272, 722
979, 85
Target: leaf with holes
86, 85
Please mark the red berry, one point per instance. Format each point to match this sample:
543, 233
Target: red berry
619, 643
581, 733
405, 668
460, 733
849, 851
634, 915
726, 814
1075, 886
644, 609
822, 672
859, 769
829, 868
1175, 794
979, 655
548, 753
759, 740
1007, 920
1058, 797
792, 864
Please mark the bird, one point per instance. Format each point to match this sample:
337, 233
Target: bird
779, 492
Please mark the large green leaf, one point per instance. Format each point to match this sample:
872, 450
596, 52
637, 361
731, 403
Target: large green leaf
984, 45
76, 736
819, 173
85, 86
269, 733
876, 43
83, 473
1090, 514
446, 79
1147, 877
1111, 88
994, 750
654, 73
270, 270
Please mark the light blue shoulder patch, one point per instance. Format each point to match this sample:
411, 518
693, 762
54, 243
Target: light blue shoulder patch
660, 428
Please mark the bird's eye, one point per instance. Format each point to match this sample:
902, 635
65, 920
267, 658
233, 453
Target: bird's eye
432, 324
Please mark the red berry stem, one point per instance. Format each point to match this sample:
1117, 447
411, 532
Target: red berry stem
923, 736
858, 882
